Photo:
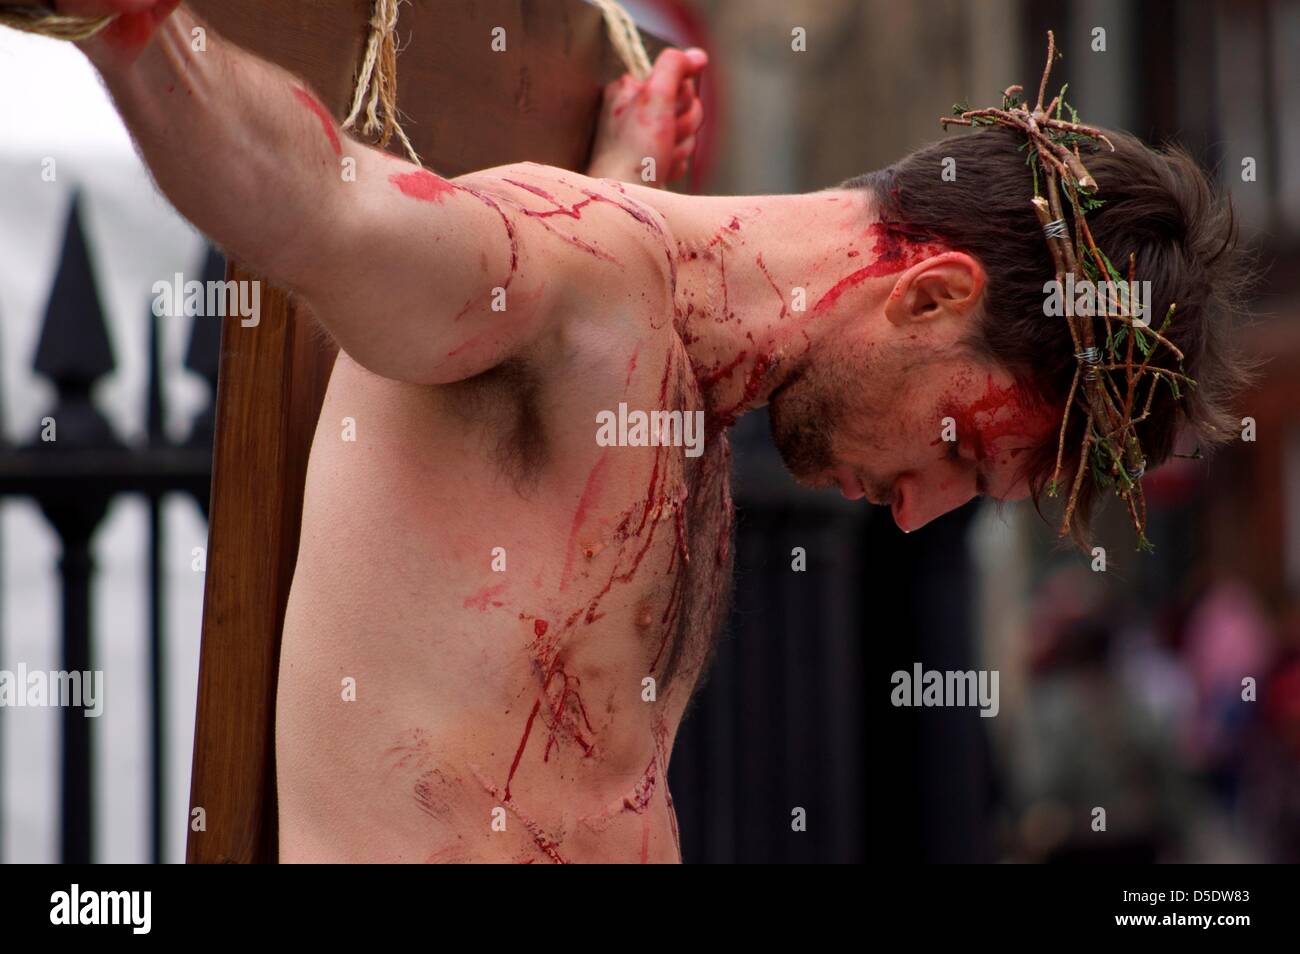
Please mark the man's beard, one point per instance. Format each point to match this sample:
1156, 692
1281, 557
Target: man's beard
804, 421
803, 430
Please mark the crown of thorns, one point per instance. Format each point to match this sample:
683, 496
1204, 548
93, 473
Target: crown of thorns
1106, 388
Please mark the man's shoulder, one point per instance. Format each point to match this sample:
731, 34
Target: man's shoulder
561, 199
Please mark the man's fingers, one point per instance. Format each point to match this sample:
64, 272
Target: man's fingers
669, 70
697, 59
685, 93
672, 77
618, 87
684, 150
689, 122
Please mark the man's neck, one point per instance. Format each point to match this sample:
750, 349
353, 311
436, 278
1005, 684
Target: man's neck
758, 279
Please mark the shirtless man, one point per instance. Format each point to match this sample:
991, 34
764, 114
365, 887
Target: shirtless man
525, 609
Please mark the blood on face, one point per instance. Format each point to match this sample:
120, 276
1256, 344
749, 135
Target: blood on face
1000, 423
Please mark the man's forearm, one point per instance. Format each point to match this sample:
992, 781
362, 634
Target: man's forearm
237, 144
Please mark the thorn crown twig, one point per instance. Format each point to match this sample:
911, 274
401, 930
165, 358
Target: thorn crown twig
1107, 389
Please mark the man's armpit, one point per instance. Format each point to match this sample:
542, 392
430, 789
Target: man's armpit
506, 405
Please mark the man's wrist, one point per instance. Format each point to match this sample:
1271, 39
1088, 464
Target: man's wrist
617, 165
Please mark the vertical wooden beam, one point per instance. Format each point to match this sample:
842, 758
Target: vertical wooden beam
269, 389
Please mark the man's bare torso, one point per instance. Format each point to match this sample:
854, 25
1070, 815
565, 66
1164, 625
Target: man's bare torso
524, 612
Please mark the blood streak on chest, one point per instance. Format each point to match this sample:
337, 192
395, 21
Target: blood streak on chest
486, 597
590, 492
631, 366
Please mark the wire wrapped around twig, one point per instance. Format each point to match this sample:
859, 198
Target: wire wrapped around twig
1105, 386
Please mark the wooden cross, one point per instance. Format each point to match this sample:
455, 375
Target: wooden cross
464, 107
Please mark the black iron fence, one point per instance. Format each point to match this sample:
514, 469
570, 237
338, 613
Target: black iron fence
73, 466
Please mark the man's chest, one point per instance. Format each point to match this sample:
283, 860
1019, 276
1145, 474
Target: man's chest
540, 629
631, 489
549, 506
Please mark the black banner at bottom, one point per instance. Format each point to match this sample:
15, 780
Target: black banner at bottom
131, 904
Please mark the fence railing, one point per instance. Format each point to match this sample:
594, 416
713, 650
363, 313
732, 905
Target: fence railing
74, 466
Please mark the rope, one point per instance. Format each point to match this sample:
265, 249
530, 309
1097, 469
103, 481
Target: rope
43, 23
376, 84
625, 37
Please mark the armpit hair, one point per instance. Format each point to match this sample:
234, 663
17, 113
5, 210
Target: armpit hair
506, 403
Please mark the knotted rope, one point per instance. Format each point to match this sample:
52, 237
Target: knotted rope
376, 85
625, 37
42, 22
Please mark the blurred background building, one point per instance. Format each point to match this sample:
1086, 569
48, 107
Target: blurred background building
1120, 690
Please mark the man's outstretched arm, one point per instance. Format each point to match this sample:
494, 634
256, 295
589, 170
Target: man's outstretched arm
397, 263
404, 268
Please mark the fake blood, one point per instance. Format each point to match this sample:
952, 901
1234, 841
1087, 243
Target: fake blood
559, 704
510, 230
573, 211
557, 712
568, 690
423, 185
776, 288
544, 842
326, 120
631, 366
753, 384
589, 493
895, 252
1012, 411
130, 33
725, 371
523, 743
481, 600
652, 504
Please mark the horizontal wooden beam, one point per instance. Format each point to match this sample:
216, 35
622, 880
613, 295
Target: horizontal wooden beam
464, 105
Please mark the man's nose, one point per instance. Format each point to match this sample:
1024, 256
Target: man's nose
918, 500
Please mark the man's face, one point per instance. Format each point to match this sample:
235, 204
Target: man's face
908, 422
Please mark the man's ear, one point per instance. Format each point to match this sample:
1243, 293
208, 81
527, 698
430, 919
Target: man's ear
948, 285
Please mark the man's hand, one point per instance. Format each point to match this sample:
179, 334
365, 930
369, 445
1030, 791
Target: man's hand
123, 40
656, 119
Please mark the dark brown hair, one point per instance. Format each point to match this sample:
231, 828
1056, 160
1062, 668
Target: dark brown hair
1157, 204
